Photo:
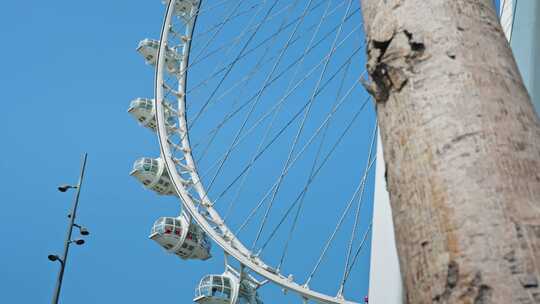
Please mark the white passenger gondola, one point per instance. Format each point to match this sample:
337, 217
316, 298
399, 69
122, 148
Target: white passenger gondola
226, 288
182, 237
183, 8
153, 175
148, 48
143, 110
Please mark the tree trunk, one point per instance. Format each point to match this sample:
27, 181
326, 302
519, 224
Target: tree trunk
462, 151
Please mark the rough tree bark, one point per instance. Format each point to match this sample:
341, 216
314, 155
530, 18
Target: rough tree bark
462, 151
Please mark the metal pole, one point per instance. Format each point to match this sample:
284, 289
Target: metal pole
72, 216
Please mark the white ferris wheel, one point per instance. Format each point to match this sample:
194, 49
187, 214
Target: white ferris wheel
270, 145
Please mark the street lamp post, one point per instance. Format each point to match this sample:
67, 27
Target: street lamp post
83, 231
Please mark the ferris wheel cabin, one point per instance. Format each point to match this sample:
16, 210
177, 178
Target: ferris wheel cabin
143, 110
181, 237
152, 174
226, 289
148, 48
183, 8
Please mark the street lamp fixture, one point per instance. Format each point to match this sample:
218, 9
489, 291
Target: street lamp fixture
82, 230
54, 258
65, 187
77, 241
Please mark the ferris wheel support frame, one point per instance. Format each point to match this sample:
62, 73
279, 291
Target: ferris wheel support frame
226, 239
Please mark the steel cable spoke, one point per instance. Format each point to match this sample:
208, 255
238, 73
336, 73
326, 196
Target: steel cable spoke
357, 213
263, 222
297, 114
239, 132
364, 238
302, 199
238, 38
286, 214
249, 51
218, 30
284, 72
282, 130
326, 121
251, 74
302, 124
257, 46
223, 22
259, 94
229, 69
340, 222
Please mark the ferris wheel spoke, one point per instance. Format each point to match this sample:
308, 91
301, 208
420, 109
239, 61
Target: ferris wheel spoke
300, 205
284, 72
259, 94
245, 82
289, 91
325, 122
230, 17
230, 67
236, 39
315, 173
301, 126
227, 67
276, 189
311, 174
284, 128
360, 247
210, 8
326, 158
220, 28
239, 132
358, 207
269, 77
339, 223
229, 48
248, 29
222, 23
309, 142
268, 39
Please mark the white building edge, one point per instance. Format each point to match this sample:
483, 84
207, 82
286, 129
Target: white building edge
521, 24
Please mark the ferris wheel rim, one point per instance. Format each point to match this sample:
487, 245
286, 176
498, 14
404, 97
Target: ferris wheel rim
226, 239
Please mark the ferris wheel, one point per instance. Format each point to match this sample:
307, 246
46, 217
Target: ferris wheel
270, 146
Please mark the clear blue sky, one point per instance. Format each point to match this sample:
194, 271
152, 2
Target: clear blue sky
69, 71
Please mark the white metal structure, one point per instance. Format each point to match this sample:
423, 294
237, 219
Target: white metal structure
507, 17
521, 25
180, 165
181, 237
385, 284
